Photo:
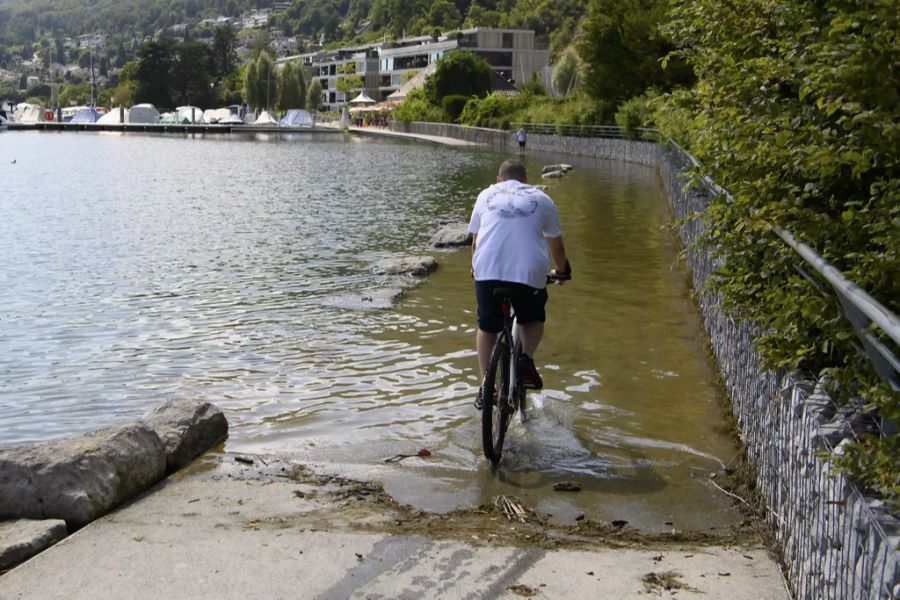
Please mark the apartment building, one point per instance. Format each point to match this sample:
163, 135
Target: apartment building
385, 67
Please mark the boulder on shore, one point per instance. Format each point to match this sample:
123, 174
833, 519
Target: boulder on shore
451, 236
406, 265
23, 538
187, 429
80, 478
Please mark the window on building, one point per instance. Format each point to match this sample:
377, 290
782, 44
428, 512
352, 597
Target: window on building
507, 40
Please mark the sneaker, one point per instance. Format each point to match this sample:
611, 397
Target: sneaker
479, 401
528, 373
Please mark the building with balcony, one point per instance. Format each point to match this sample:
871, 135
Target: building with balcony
384, 67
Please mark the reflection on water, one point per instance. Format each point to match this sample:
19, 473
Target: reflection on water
138, 268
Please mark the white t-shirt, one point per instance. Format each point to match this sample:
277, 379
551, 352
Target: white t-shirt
512, 220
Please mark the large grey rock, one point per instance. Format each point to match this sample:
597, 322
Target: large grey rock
80, 478
23, 538
187, 429
553, 174
406, 265
452, 235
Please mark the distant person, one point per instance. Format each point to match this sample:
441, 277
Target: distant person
515, 232
521, 137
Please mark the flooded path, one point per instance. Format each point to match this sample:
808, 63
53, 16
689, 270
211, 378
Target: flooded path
139, 268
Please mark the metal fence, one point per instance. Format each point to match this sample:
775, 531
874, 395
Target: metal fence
590, 131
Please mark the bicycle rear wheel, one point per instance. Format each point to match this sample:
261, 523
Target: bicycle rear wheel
496, 409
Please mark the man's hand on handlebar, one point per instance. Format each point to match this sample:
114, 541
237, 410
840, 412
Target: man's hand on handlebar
561, 277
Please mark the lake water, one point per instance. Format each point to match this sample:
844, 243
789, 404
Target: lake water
139, 268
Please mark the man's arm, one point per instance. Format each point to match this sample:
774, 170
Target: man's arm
558, 254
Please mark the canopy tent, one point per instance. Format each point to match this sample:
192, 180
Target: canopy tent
362, 99
168, 118
385, 106
86, 115
265, 118
297, 117
114, 116
143, 113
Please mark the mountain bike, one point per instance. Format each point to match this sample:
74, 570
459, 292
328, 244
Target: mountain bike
502, 391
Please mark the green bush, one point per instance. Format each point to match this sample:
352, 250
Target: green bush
636, 112
453, 106
416, 107
807, 141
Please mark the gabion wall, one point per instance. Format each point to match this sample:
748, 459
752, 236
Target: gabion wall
837, 543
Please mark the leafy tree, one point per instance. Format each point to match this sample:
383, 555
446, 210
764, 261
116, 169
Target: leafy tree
85, 58
459, 73
795, 113
291, 88
479, 16
121, 57
444, 14
349, 81
314, 95
260, 81
224, 52
23, 81
623, 47
156, 63
104, 66
191, 79
251, 86
566, 74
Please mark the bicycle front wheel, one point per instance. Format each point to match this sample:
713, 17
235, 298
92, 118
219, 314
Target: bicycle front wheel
496, 409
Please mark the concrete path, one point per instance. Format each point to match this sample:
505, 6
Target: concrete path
234, 531
379, 132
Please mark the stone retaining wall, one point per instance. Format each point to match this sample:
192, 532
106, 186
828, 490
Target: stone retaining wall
837, 543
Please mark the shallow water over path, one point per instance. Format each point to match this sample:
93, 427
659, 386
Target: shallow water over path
138, 268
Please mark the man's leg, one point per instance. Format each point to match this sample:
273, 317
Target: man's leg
531, 334
484, 343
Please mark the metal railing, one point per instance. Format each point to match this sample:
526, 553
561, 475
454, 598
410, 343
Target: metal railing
592, 131
860, 309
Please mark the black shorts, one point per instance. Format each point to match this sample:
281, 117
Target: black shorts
521, 144
528, 302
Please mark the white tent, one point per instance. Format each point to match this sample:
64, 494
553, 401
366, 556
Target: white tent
362, 99
114, 116
28, 113
297, 117
143, 113
265, 118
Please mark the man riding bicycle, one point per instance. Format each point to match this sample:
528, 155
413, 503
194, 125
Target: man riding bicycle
513, 226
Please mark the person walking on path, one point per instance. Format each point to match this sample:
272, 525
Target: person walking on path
515, 232
521, 136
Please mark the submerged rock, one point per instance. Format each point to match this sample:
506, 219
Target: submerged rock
552, 174
187, 429
80, 478
371, 299
406, 265
451, 236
